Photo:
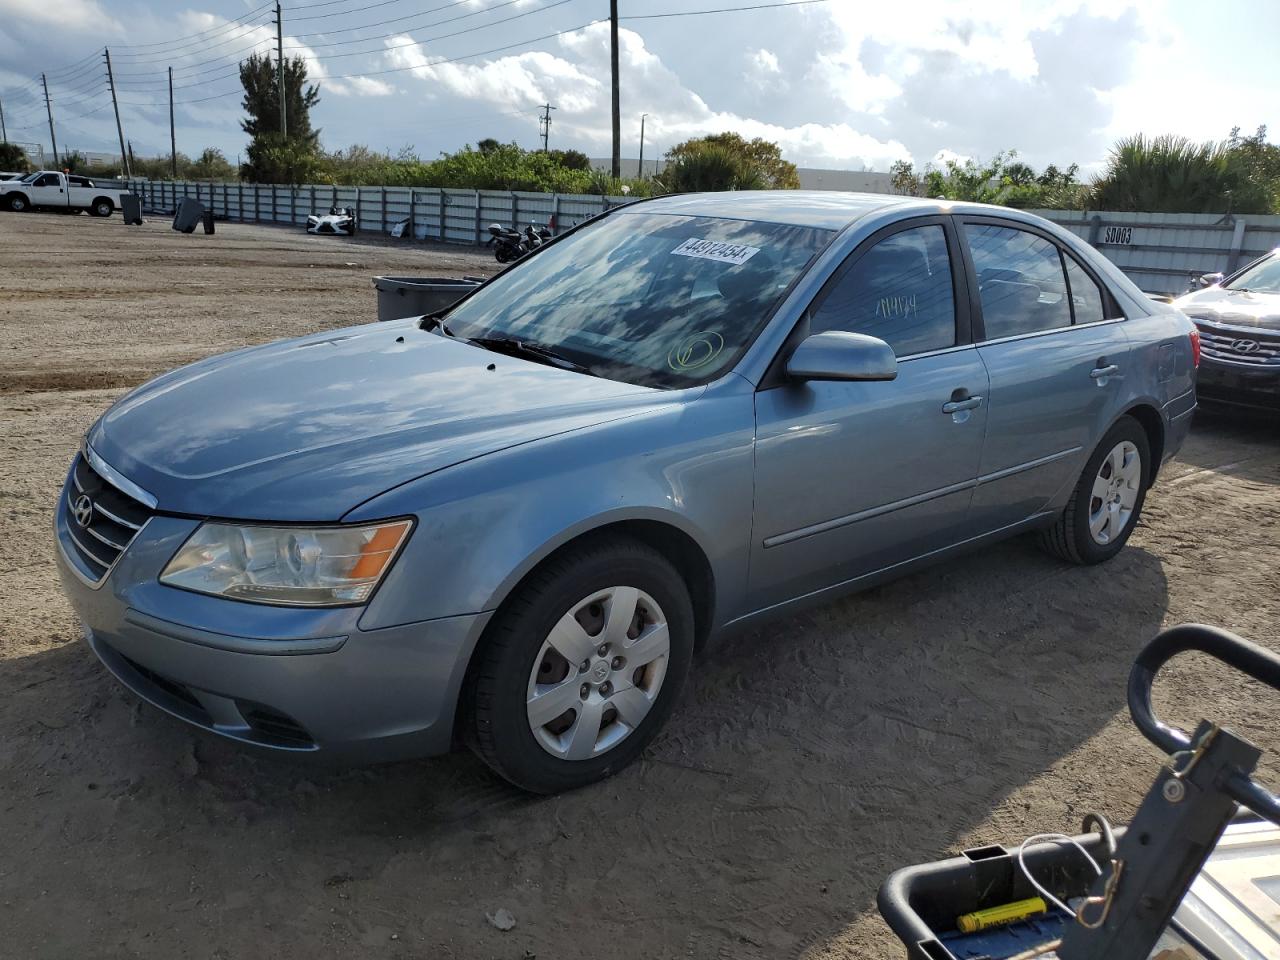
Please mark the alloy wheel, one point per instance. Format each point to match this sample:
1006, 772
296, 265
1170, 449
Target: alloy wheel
598, 673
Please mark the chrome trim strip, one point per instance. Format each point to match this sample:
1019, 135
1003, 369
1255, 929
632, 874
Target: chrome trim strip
824, 526
1045, 333
110, 543
117, 479
112, 517
1029, 465
80, 543
942, 351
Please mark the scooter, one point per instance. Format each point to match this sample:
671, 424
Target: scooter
507, 244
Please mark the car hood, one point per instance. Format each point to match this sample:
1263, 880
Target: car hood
308, 429
1235, 308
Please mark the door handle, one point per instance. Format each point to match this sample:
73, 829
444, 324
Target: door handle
1099, 373
955, 406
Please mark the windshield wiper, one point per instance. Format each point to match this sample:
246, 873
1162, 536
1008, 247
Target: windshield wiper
514, 347
434, 321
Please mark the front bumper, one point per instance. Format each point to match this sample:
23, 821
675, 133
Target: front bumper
300, 681
1237, 383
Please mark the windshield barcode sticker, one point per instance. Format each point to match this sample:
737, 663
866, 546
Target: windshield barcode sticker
716, 250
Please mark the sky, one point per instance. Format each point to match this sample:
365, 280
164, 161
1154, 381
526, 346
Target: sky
840, 84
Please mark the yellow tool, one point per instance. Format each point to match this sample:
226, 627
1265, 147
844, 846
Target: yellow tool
998, 916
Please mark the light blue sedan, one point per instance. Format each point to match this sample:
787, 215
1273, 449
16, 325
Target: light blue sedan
512, 524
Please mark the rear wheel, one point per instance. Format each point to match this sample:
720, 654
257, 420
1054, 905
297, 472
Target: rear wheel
581, 668
1107, 501
102, 207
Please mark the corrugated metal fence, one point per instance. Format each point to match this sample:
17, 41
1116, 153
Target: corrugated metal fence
1160, 252
452, 216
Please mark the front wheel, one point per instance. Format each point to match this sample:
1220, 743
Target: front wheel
581, 667
17, 203
1107, 501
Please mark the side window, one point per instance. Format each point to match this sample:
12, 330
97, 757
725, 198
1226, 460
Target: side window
1086, 298
1020, 281
899, 290
48, 180
79, 182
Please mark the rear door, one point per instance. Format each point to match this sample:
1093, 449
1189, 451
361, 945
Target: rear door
80, 192
48, 191
1055, 350
855, 477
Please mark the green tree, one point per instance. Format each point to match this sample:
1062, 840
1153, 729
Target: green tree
572, 159
273, 158
212, 164
1171, 174
757, 162
13, 157
902, 175
488, 145
72, 160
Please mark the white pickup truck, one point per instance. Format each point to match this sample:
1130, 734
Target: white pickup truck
58, 191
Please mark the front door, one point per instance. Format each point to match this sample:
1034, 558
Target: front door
47, 191
856, 477
1056, 353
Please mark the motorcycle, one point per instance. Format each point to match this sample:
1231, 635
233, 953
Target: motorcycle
507, 244
534, 239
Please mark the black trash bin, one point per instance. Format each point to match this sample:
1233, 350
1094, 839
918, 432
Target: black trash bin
190, 213
416, 296
131, 208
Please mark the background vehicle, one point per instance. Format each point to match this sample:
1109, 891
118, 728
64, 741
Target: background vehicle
507, 244
1238, 317
339, 221
50, 190
684, 417
11, 175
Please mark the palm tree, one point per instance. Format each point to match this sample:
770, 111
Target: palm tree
1171, 174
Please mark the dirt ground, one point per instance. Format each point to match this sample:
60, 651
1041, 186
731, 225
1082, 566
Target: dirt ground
976, 702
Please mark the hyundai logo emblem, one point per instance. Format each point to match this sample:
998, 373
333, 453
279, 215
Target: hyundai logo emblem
82, 510
1245, 346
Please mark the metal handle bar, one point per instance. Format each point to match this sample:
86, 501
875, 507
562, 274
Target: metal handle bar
1249, 658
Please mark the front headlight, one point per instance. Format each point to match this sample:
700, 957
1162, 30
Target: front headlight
294, 566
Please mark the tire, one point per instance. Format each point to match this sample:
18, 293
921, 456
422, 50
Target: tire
517, 660
1112, 472
102, 207
17, 203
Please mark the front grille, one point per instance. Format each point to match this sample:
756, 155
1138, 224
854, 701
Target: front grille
111, 519
1255, 348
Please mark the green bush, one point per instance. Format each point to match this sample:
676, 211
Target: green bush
13, 158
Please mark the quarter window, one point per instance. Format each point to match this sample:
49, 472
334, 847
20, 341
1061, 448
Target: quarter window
1086, 298
899, 290
1020, 280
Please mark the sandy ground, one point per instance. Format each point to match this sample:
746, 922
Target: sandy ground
976, 702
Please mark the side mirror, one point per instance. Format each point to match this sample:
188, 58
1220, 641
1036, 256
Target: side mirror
836, 355
1209, 279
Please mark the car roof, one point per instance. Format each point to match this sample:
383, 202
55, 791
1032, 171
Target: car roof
826, 209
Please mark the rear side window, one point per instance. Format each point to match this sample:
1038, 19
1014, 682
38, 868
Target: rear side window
1086, 297
1020, 281
899, 290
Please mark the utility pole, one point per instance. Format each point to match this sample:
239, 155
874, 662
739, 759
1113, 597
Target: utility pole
48, 108
4, 134
173, 136
640, 165
115, 105
544, 124
613, 64
130, 153
284, 128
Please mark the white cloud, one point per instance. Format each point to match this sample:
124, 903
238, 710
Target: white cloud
80, 16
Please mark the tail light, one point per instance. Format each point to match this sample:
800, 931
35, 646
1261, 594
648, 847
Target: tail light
1195, 347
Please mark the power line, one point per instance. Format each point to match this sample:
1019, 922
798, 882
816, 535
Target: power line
699, 13
200, 46
444, 36
190, 36
340, 13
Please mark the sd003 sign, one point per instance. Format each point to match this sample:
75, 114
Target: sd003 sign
1118, 235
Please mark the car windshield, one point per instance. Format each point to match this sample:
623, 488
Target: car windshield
653, 299
30, 177
1261, 278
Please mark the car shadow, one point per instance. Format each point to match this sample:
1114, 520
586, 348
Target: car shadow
808, 760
